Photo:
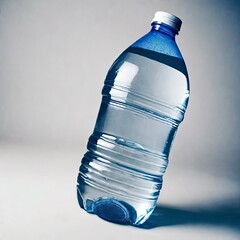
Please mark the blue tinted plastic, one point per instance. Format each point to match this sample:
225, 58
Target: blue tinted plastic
145, 96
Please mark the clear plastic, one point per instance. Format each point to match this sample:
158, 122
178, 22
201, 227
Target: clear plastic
145, 96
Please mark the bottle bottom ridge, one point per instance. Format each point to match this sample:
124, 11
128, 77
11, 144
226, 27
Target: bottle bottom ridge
113, 210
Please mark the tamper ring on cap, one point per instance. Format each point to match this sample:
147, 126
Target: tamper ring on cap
169, 19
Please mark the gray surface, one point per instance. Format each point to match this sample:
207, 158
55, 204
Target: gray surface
54, 57
38, 201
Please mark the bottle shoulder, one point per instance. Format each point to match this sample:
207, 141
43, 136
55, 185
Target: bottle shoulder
159, 42
156, 46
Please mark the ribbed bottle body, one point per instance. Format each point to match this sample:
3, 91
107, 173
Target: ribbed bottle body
145, 96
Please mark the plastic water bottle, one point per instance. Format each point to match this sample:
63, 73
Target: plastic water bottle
144, 99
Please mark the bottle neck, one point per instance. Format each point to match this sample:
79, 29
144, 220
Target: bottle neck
164, 28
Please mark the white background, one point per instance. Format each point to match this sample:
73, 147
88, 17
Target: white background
54, 56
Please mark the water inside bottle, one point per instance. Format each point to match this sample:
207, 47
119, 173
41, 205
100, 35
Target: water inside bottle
145, 95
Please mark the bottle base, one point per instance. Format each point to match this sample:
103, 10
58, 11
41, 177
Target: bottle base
109, 209
113, 210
